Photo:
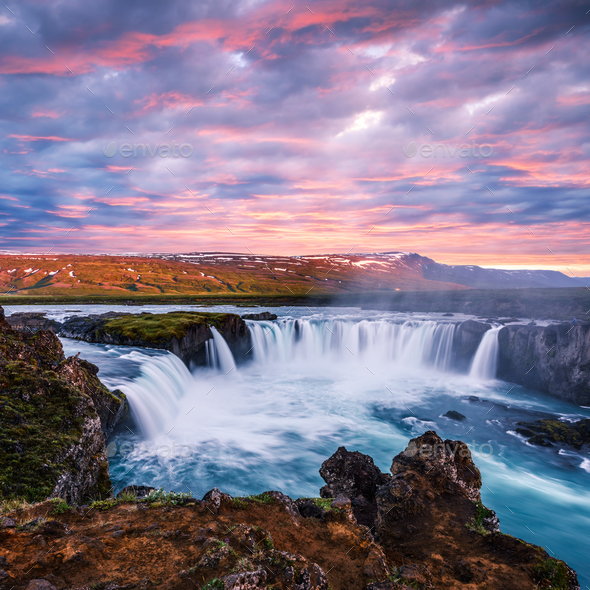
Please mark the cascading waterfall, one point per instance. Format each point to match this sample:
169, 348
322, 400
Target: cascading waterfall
411, 344
219, 356
154, 395
485, 361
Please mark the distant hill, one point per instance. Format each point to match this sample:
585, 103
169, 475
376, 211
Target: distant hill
218, 273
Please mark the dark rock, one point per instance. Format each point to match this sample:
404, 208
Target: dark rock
62, 451
309, 509
117, 534
427, 465
448, 315
152, 527
540, 441
554, 359
466, 339
216, 497
4, 575
547, 431
140, 492
290, 506
472, 398
7, 523
262, 316
463, 571
32, 322
525, 432
351, 474
341, 502
55, 580
454, 415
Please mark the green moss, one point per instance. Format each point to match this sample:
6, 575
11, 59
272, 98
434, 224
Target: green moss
59, 506
551, 573
158, 328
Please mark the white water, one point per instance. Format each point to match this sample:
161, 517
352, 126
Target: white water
485, 361
331, 380
219, 355
374, 343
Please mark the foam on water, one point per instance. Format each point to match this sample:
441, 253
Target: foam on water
321, 382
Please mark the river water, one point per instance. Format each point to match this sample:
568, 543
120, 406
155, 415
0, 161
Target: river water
321, 378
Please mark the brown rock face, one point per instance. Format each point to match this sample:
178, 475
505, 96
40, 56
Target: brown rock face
351, 474
428, 469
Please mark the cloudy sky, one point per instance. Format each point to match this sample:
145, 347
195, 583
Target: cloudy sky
298, 128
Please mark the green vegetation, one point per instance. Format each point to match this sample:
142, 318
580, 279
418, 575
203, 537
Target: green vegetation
551, 573
59, 506
481, 513
158, 328
215, 584
262, 499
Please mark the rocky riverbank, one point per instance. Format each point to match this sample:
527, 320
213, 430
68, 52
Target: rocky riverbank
420, 526
54, 416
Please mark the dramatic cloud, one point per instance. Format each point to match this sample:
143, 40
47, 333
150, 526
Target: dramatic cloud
456, 130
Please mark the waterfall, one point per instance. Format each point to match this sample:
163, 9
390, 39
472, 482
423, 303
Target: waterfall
154, 395
485, 361
219, 355
412, 344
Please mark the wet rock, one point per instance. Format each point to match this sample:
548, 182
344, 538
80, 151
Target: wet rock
545, 432
351, 474
466, 339
454, 415
553, 359
262, 316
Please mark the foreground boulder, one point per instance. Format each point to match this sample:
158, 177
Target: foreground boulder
53, 419
431, 532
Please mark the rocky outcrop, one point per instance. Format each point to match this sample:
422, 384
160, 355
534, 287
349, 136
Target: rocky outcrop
466, 339
262, 316
547, 433
554, 359
431, 533
182, 333
53, 419
32, 322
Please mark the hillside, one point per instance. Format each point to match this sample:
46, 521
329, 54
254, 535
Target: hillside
214, 273
220, 274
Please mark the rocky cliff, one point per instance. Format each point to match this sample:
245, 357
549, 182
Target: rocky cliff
53, 419
553, 359
429, 531
182, 333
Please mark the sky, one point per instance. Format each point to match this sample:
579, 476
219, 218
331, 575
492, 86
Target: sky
298, 128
